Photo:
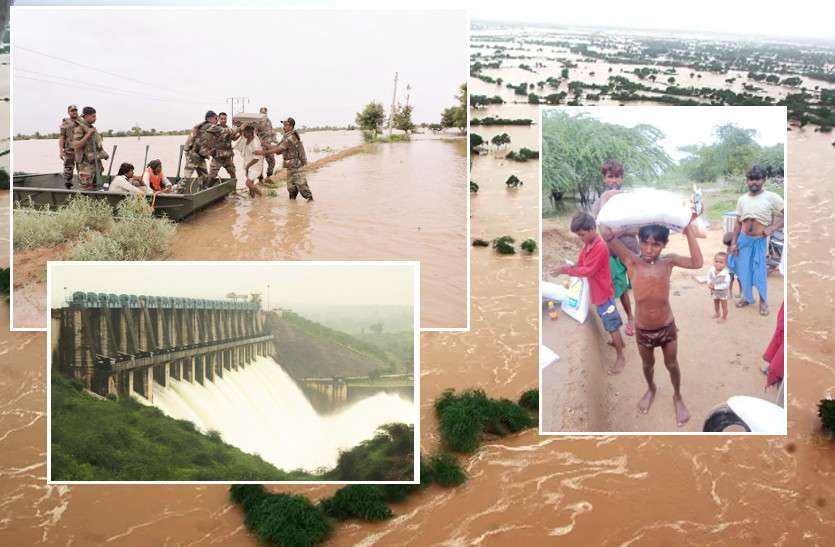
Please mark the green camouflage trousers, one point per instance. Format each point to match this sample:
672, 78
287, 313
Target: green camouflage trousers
69, 164
217, 163
194, 163
297, 184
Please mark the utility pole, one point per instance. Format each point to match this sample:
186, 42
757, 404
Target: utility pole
232, 100
408, 89
393, 99
268, 298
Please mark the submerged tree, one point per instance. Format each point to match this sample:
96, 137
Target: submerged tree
371, 118
456, 116
403, 118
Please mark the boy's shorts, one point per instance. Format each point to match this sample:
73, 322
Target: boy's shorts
608, 313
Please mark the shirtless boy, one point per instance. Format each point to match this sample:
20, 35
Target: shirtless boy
654, 323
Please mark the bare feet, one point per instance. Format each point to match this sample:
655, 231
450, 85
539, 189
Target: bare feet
682, 415
763, 308
646, 401
720, 319
741, 303
630, 328
715, 316
618, 367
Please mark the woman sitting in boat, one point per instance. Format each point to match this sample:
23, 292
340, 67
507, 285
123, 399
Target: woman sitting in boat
154, 179
125, 183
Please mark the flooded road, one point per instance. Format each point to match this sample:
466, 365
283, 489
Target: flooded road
400, 201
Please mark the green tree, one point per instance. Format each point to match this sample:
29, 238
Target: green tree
575, 146
456, 116
403, 118
371, 118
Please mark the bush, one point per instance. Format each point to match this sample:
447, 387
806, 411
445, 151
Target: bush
530, 400
513, 182
480, 243
529, 245
473, 187
826, 412
504, 245
446, 471
361, 501
39, 227
285, 519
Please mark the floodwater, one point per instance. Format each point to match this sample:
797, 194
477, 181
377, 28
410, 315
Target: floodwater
525, 489
399, 201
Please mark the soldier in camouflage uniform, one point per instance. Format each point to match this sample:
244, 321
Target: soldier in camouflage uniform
223, 155
266, 134
292, 150
65, 150
199, 147
87, 148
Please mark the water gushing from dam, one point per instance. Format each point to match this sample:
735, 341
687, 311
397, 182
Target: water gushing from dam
259, 409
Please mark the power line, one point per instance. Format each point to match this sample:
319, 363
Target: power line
120, 76
98, 88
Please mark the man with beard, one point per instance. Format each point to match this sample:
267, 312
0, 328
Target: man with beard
759, 213
612, 173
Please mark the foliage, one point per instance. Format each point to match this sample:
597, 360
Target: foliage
465, 416
95, 439
473, 187
371, 118
490, 120
530, 400
529, 245
513, 182
731, 155
360, 501
480, 243
456, 116
826, 412
403, 118
500, 140
446, 471
280, 519
504, 245
5, 281
39, 227
524, 154
388, 456
475, 141
575, 146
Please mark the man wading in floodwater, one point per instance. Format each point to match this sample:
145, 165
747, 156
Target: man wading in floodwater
759, 213
292, 150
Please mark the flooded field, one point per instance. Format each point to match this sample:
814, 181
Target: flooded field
596, 491
400, 201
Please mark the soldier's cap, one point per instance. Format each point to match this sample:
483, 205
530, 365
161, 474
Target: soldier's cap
289, 120
211, 114
72, 107
87, 110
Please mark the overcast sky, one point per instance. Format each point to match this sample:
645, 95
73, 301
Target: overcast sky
800, 18
169, 66
683, 125
291, 284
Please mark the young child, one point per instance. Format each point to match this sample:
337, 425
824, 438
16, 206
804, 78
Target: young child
654, 322
593, 264
719, 283
727, 240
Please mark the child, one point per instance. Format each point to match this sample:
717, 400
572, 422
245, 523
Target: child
654, 322
727, 240
719, 282
593, 264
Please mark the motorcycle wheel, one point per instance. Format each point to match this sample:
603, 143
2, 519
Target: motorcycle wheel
721, 418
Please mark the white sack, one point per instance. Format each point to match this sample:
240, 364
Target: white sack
630, 210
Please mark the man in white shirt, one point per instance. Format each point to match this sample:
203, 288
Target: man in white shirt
253, 165
125, 183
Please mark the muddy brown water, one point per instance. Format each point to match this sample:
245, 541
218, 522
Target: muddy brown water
400, 201
525, 489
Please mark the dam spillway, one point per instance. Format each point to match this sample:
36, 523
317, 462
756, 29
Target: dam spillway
123, 344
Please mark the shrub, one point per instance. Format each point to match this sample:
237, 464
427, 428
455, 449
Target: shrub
446, 471
362, 501
480, 243
513, 182
504, 245
529, 245
473, 187
826, 412
530, 400
285, 519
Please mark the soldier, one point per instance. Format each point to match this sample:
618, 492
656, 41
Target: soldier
65, 151
266, 134
198, 149
87, 148
292, 149
223, 155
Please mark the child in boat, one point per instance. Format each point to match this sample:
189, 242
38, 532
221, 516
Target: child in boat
654, 322
719, 283
593, 264
125, 183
